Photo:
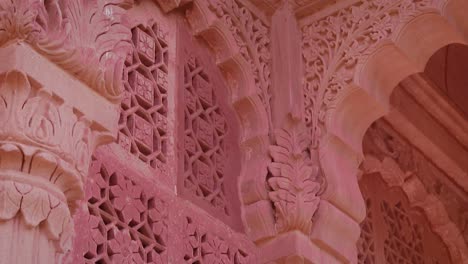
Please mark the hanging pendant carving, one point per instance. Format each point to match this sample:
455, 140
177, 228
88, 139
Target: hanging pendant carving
295, 182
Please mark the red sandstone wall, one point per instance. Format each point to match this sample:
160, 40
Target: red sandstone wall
166, 191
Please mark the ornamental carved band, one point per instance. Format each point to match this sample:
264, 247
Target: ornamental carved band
333, 46
251, 36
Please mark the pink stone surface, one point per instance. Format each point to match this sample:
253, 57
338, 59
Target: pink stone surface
233, 131
447, 69
209, 134
130, 219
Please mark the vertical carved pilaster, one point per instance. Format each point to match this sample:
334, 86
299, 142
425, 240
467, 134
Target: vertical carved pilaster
44, 152
50, 121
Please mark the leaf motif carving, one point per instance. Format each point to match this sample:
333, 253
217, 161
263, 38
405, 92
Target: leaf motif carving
35, 206
14, 91
34, 117
294, 183
17, 19
57, 219
87, 38
10, 200
95, 36
252, 37
333, 46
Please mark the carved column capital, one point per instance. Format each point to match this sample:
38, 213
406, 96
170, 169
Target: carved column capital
45, 150
60, 85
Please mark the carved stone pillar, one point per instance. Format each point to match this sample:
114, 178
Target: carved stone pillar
59, 85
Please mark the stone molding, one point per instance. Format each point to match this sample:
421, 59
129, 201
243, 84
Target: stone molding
45, 148
240, 43
86, 38
411, 99
31, 116
240, 40
336, 47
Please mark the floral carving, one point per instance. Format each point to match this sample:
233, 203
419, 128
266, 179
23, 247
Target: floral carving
86, 38
92, 231
252, 37
30, 115
123, 221
124, 249
36, 204
127, 200
216, 251
143, 118
295, 182
332, 47
205, 248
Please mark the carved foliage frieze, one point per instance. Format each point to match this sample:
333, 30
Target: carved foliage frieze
30, 115
252, 37
86, 38
332, 47
296, 183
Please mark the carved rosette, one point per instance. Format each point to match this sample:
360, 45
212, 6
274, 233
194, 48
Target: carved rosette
295, 182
